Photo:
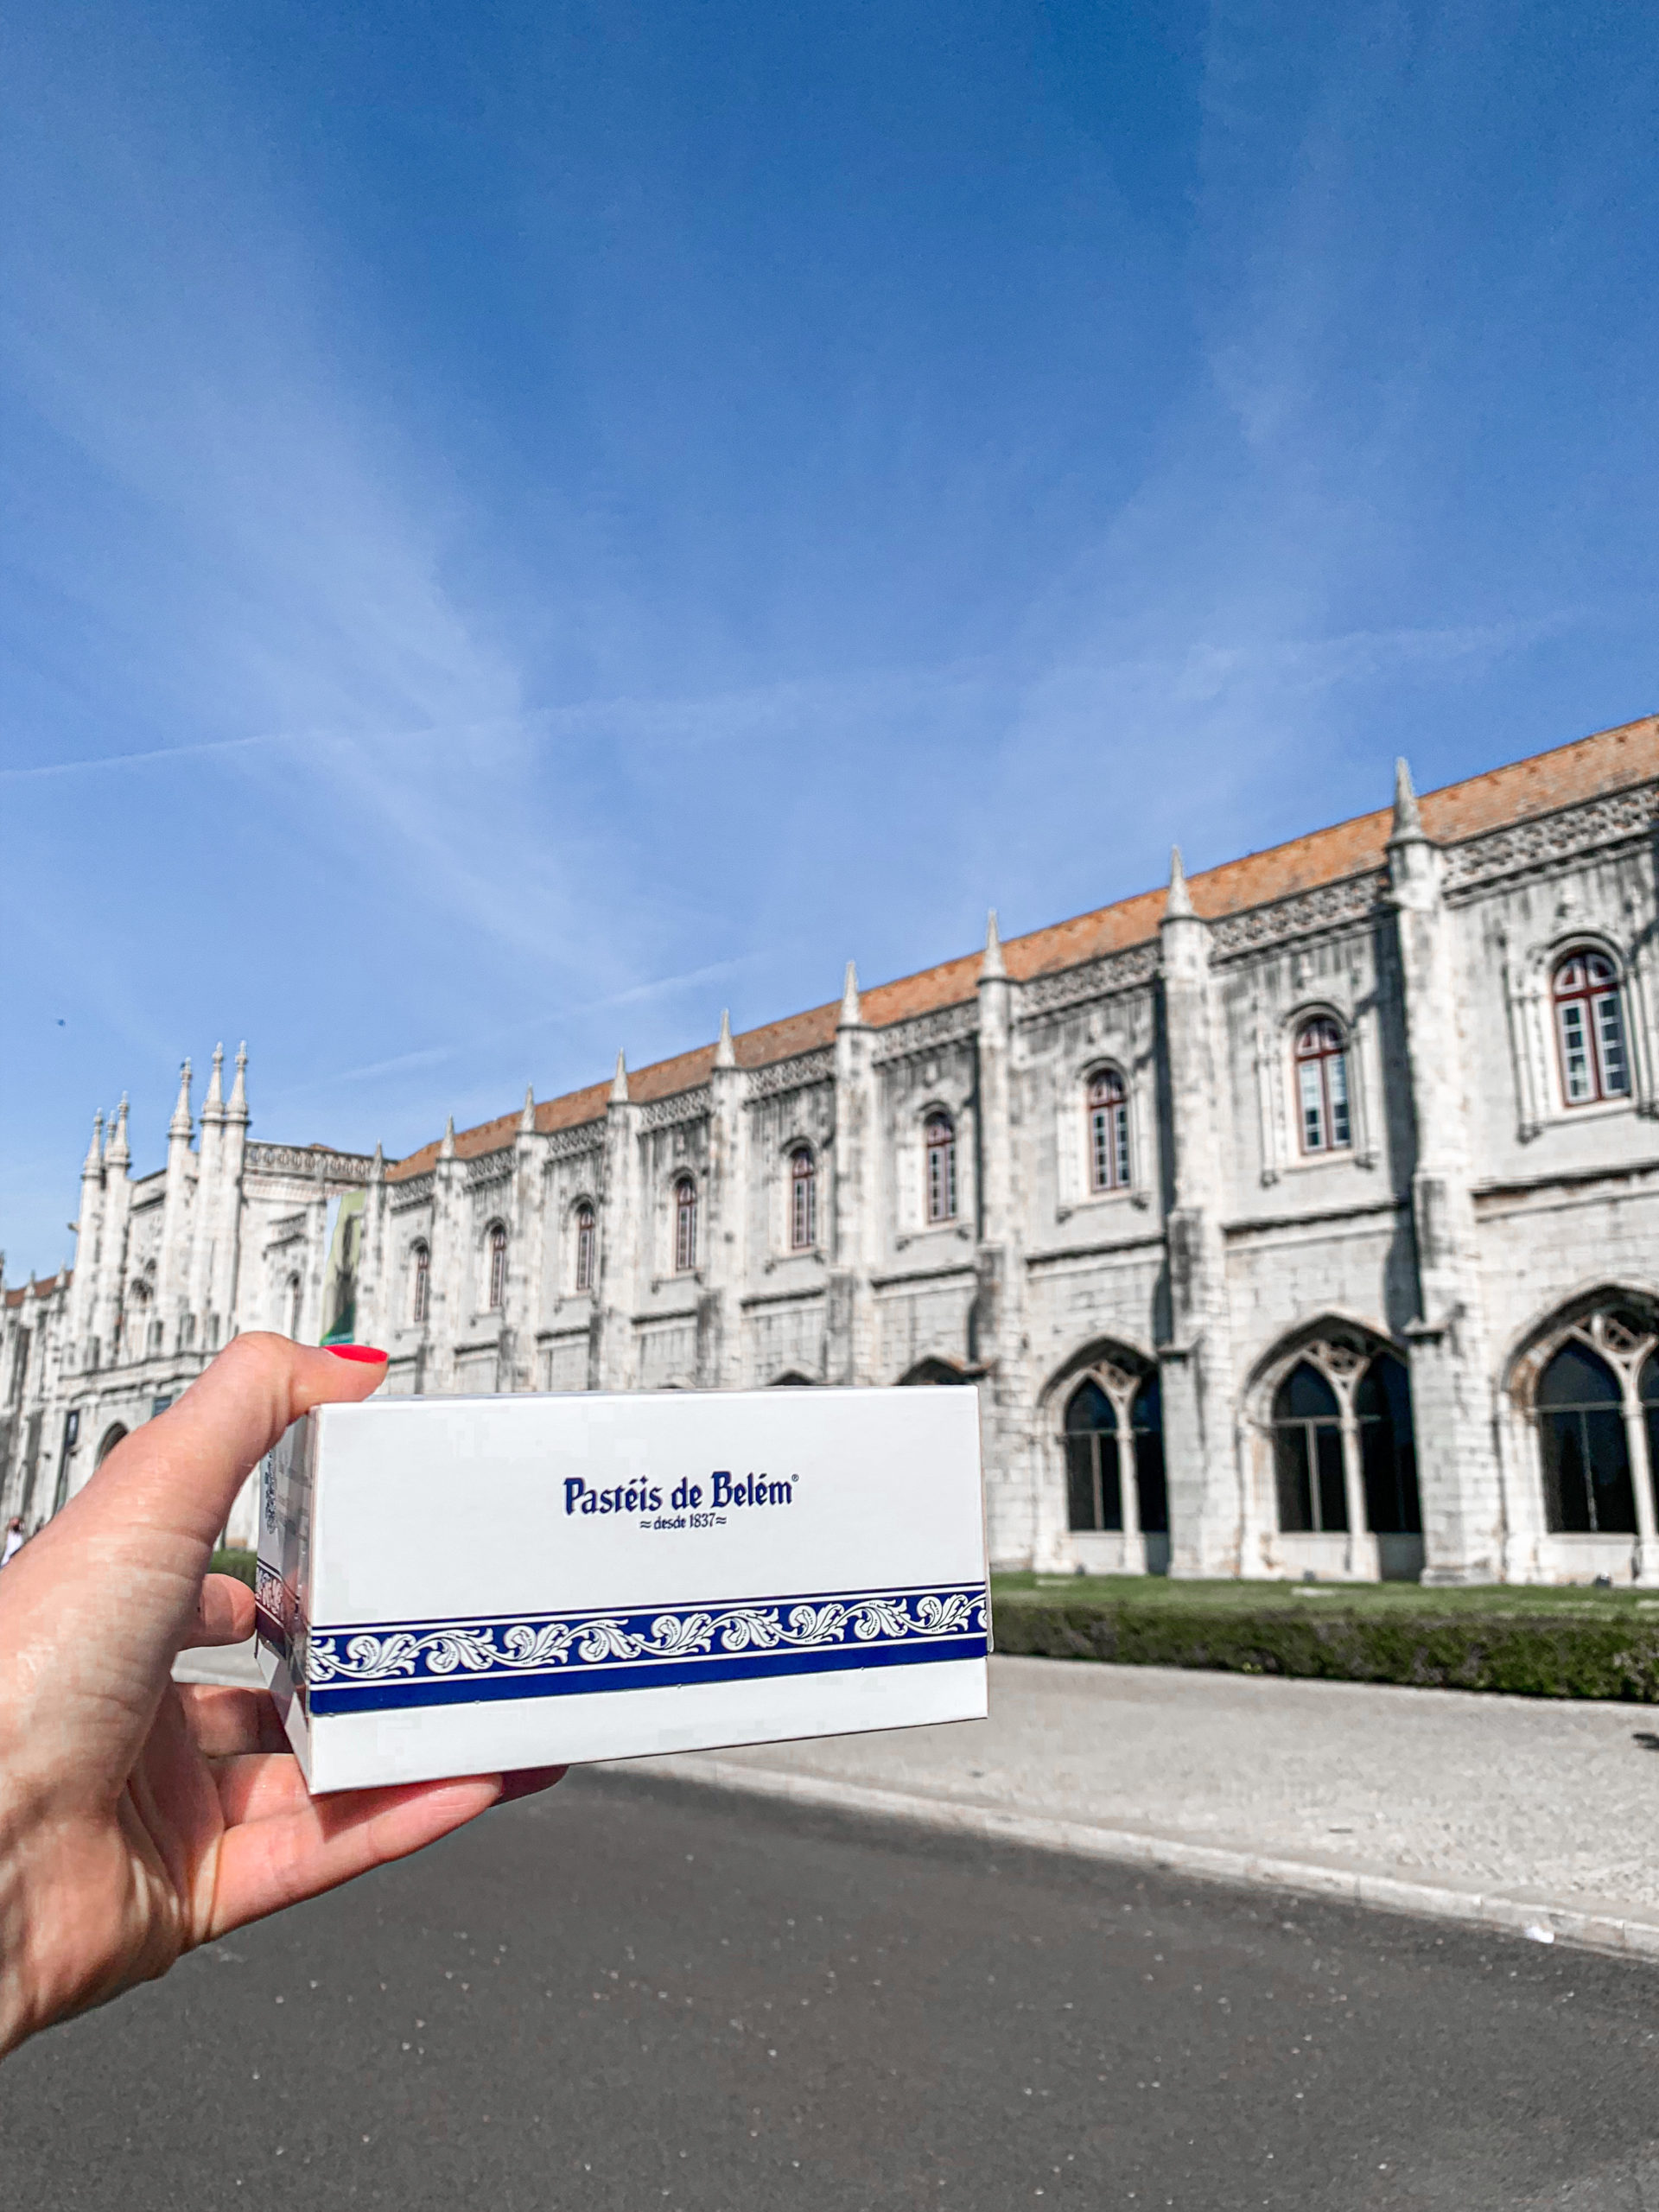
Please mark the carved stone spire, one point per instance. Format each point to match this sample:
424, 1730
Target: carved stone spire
212, 1106
1178, 906
725, 1057
527, 1119
992, 963
237, 1108
378, 1166
93, 1162
446, 1149
181, 1125
1408, 817
851, 1012
620, 1081
116, 1153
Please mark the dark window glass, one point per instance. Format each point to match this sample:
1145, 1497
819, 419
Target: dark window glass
1308, 1454
1388, 1448
584, 1248
422, 1285
1587, 1485
1146, 1421
1092, 1491
498, 1267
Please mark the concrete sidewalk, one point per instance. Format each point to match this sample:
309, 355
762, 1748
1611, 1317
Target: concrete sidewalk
1518, 1812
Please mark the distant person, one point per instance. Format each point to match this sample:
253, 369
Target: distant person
14, 1540
139, 1818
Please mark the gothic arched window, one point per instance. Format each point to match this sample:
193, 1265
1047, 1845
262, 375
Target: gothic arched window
584, 1223
1388, 1448
296, 1305
685, 1225
1587, 1485
1109, 1132
420, 1293
1308, 1454
1590, 1029
1092, 1488
497, 1276
940, 1138
1322, 1085
803, 1199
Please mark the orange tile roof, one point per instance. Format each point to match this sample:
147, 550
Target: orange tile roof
41, 1290
1610, 760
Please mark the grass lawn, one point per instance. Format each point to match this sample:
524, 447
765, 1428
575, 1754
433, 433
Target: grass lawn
1393, 1600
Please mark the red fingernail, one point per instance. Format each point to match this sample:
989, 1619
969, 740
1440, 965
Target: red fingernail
354, 1351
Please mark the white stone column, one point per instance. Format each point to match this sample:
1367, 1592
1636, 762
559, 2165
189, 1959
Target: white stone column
1128, 1492
1451, 1378
1359, 1561
1636, 1445
1205, 1532
850, 1332
613, 1355
720, 1316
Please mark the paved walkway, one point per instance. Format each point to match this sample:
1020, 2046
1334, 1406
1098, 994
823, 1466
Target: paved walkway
1523, 1813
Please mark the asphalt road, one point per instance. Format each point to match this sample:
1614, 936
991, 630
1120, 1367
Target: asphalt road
631, 1995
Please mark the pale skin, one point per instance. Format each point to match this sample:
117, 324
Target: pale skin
138, 1818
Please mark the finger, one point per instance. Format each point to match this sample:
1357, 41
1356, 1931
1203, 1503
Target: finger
224, 1613
189, 1463
263, 1864
134, 1542
225, 1722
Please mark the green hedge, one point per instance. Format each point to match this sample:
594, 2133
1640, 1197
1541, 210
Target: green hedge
1529, 1655
238, 1563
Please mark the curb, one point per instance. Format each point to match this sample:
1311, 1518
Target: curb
1623, 1936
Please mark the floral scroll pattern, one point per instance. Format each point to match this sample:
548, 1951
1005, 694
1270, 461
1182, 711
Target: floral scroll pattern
390, 1653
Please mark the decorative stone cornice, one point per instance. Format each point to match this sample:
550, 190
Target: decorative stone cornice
1534, 846
1330, 905
314, 1165
926, 1032
416, 1191
490, 1167
1131, 969
799, 1074
684, 1106
571, 1144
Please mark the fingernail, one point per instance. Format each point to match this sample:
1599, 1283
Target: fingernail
354, 1351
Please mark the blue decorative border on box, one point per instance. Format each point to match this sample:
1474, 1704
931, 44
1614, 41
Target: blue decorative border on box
372, 1666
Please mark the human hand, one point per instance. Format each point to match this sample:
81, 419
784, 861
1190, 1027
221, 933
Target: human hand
139, 1819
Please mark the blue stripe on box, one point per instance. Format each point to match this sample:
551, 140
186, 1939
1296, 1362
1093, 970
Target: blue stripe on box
369, 1667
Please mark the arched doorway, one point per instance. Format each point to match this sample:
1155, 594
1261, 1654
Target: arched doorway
107, 1443
1584, 1388
1343, 1459
1112, 1433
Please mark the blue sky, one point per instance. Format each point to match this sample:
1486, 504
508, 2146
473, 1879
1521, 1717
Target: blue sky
530, 522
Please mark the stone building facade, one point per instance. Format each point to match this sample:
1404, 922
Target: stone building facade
1300, 1219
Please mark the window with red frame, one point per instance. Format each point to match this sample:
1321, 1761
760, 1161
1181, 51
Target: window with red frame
940, 1135
1109, 1132
803, 1199
1322, 1086
1590, 1029
685, 1225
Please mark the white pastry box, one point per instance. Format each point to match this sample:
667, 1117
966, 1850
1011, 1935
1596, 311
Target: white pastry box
457, 1586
